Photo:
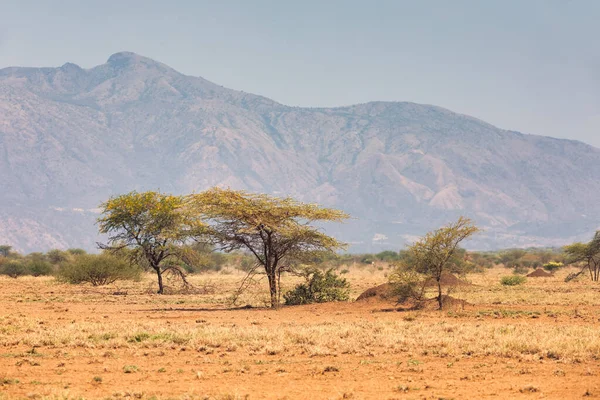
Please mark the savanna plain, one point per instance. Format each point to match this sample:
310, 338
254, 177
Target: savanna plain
540, 339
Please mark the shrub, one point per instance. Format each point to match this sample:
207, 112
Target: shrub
319, 288
368, 259
520, 270
39, 268
387, 256
76, 252
247, 263
553, 266
14, 269
513, 280
56, 256
102, 269
408, 285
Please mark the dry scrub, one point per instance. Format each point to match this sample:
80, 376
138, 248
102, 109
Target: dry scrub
64, 341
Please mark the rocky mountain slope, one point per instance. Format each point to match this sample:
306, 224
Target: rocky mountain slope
71, 137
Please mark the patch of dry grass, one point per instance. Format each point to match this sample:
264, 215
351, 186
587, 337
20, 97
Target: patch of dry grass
443, 338
471, 332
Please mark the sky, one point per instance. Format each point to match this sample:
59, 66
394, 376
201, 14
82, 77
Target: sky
531, 66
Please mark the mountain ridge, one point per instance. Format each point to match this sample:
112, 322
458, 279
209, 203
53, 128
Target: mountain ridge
71, 137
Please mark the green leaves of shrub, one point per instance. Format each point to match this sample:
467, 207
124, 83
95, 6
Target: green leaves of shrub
319, 288
97, 269
513, 280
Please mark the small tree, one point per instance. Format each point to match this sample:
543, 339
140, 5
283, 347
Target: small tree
435, 253
587, 253
5, 250
278, 232
153, 225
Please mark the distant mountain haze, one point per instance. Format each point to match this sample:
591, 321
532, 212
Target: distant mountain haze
72, 137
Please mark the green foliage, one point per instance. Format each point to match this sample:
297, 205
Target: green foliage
520, 270
37, 267
56, 256
513, 280
34, 264
388, 256
13, 268
247, 263
97, 269
153, 226
512, 258
407, 284
319, 288
368, 259
5, 250
553, 266
438, 252
586, 253
76, 252
276, 231
484, 259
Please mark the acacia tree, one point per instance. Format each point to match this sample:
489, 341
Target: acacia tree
5, 250
278, 232
435, 253
153, 225
587, 253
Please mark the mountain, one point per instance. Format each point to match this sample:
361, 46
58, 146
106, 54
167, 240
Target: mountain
72, 137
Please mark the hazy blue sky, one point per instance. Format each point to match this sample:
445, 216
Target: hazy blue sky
526, 65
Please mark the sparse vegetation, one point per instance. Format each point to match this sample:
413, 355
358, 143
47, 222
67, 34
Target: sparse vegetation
553, 266
436, 254
513, 280
97, 269
87, 325
319, 288
330, 340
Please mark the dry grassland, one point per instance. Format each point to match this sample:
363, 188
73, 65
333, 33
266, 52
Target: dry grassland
59, 341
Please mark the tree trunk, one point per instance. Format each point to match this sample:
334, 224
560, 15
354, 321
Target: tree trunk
439, 285
273, 288
160, 281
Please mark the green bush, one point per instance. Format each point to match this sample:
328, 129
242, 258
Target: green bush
553, 266
39, 268
368, 259
387, 256
101, 269
14, 269
247, 263
408, 285
56, 256
513, 280
319, 288
76, 252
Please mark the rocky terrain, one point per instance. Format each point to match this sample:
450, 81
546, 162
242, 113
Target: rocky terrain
71, 137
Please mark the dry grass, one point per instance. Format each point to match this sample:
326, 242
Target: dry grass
44, 322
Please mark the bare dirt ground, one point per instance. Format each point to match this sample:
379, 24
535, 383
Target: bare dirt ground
539, 340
